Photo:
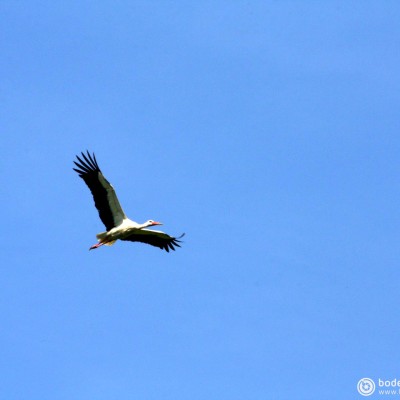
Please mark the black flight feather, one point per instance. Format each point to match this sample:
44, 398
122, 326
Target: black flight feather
90, 172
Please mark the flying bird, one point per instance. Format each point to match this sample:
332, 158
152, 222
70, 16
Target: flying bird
118, 225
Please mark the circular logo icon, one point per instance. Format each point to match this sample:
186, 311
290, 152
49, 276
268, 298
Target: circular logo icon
366, 386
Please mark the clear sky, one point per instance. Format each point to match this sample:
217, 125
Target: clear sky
268, 131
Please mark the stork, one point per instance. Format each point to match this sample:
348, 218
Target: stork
118, 225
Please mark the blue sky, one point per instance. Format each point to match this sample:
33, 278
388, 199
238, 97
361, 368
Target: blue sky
268, 131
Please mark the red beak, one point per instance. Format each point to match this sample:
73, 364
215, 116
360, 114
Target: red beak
156, 223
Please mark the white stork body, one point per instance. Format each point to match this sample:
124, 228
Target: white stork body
118, 225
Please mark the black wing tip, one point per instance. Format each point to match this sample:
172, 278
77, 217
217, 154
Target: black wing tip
86, 163
80, 173
88, 154
174, 242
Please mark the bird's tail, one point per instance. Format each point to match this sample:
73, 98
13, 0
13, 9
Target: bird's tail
101, 235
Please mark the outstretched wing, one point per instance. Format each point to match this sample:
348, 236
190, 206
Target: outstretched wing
155, 238
105, 199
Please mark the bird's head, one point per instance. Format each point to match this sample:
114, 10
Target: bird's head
150, 222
